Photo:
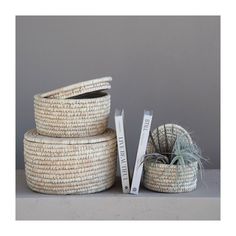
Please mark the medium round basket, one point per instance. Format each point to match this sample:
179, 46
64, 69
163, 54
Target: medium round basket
164, 177
82, 116
70, 165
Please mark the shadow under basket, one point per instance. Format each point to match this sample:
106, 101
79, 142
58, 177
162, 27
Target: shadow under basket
170, 178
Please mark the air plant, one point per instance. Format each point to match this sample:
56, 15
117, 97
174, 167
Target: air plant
177, 151
156, 158
185, 153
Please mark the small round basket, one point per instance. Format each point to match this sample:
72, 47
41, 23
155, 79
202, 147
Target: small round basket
82, 116
70, 165
170, 178
164, 177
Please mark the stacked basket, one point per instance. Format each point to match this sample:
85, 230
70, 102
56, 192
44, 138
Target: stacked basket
71, 150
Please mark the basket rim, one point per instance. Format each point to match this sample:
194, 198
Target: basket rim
160, 165
71, 100
33, 136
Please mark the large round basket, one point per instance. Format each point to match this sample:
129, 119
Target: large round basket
70, 165
82, 116
164, 177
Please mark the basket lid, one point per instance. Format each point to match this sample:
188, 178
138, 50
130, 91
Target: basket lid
33, 136
165, 136
80, 88
173, 130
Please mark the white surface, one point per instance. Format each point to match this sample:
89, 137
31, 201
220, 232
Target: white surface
201, 204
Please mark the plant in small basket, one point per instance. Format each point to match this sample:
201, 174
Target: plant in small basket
172, 160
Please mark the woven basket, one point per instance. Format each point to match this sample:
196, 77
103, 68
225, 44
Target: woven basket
169, 178
84, 116
70, 165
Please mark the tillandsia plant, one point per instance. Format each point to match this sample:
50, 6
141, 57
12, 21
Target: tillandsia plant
186, 153
174, 150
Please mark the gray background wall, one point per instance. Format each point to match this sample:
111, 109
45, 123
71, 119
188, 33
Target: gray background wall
168, 64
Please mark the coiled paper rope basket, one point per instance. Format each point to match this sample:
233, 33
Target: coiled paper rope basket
70, 165
169, 178
78, 110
